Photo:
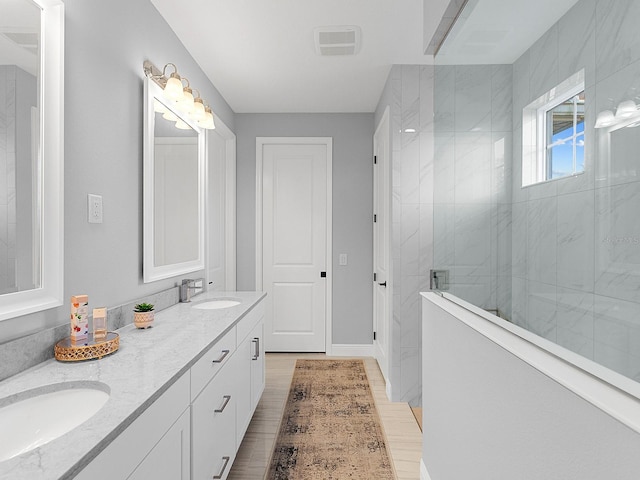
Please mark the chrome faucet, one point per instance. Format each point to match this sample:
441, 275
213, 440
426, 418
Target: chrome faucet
187, 287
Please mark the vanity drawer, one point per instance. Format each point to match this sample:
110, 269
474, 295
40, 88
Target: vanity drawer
211, 362
249, 321
214, 426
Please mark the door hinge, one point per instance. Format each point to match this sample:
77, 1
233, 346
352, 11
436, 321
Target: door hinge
375, 277
374, 335
375, 218
375, 159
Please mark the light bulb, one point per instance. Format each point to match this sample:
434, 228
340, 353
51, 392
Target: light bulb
173, 89
187, 102
207, 121
626, 109
605, 119
198, 109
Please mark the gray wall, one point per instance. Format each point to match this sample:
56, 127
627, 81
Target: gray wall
105, 45
489, 415
352, 135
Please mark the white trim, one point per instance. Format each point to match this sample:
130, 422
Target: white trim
607, 390
352, 350
388, 390
328, 141
424, 474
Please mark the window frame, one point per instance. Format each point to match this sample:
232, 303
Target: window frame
542, 143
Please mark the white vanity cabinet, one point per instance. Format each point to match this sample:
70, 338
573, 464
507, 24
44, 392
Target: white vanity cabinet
251, 354
193, 430
155, 445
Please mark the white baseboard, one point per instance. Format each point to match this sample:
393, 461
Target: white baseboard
346, 350
424, 475
388, 389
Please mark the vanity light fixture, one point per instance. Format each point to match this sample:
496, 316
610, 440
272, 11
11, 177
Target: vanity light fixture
175, 91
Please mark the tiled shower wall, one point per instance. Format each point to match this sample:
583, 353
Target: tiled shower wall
409, 95
472, 191
562, 258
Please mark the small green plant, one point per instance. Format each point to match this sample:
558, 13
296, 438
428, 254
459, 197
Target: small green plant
143, 307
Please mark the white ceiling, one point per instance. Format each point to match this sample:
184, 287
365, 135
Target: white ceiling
261, 56
260, 53
18, 17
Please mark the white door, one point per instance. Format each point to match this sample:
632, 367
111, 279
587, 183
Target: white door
295, 179
216, 196
381, 226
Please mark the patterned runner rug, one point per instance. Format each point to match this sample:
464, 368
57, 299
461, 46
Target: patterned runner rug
330, 428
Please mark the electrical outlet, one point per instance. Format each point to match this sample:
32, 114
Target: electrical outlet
342, 260
94, 208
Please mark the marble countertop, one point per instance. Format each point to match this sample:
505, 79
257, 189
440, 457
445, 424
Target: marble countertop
147, 364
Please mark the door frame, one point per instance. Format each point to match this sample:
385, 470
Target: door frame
229, 208
328, 142
385, 121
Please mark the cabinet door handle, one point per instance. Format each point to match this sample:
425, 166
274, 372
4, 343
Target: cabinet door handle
256, 352
224, 405
224, 467
222, 357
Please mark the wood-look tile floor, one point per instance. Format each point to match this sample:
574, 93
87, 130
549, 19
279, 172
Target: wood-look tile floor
403, 435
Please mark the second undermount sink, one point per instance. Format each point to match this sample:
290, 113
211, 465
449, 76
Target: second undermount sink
216, 304
31, 419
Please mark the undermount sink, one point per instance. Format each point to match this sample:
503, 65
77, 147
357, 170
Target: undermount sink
216, 304
31, 419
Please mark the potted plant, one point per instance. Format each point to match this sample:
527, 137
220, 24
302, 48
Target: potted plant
143, 315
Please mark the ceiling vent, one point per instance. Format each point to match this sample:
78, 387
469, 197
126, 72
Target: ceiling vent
339, 40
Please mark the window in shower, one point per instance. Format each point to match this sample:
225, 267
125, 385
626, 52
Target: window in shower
553, 133
563, 126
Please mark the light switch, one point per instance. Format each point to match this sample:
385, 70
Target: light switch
342, 259
94, 208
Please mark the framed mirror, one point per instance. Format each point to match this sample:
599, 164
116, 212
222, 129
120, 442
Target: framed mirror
31, 158
173, 202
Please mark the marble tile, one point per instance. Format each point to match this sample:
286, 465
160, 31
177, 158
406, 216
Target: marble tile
426, 176
472, 98
411, 384
501, 98
624, 84
518, 193
395, 78
519, 239
410, 240
617, 241
411, 318
504, 296
521, 88
576, 321
575, 241
426, 238
444, 98
443, 236
544, 63
617, 323
410, 170
503, 240
472, 171
472, 241
519, 301
541, 310
617, 40
577, 41
427, 106
410, 106
501, 164
477, 290
443, 168
541, 240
